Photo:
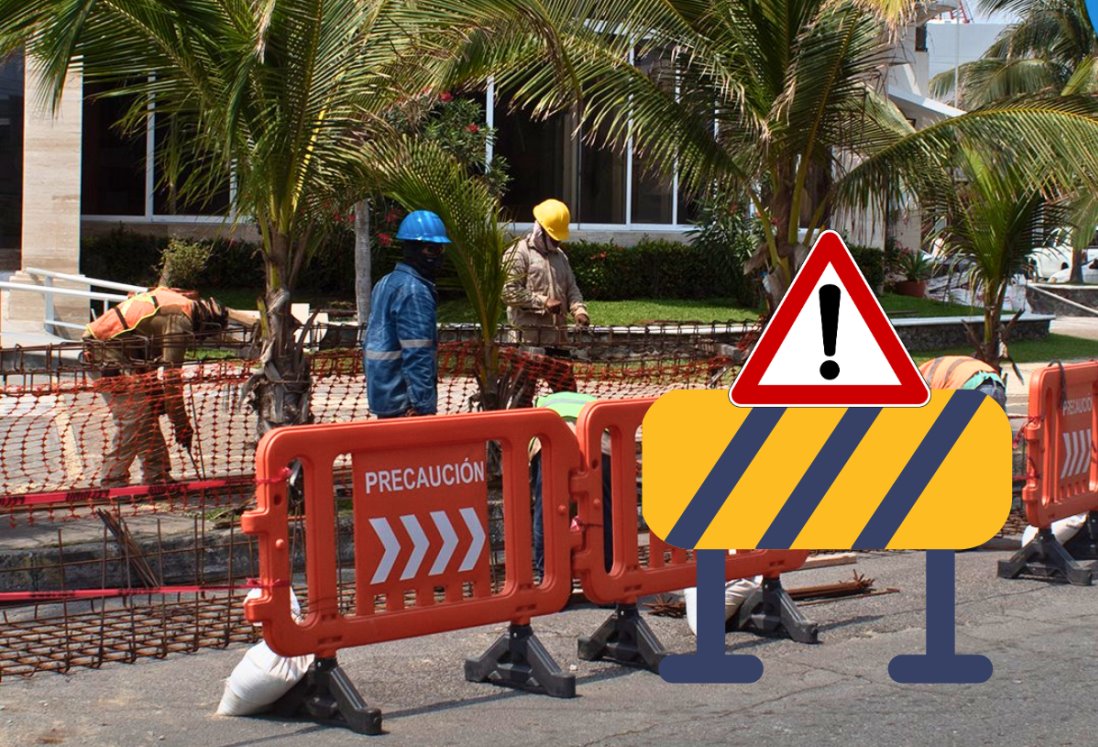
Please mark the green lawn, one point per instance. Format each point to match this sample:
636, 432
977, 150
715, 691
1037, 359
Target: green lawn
636, 311
1053, 347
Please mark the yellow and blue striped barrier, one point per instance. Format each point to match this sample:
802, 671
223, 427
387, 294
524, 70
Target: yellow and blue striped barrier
933, 477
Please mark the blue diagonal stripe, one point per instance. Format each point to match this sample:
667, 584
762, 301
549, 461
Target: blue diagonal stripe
819, 476
720, 481
919, 470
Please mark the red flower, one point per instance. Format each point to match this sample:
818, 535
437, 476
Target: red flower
602, 255
446, 97
472, 127
384, 239
392, 216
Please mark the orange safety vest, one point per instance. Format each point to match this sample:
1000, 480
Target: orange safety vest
137, 308
953, 371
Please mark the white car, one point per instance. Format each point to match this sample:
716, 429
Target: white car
1053, 261
1090, 274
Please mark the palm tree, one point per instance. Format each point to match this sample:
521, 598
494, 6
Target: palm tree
992, 195
280, 94
781, 100
1049, 49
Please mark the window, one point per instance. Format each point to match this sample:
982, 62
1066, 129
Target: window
172, 143
112, 165
548, 158
11, 151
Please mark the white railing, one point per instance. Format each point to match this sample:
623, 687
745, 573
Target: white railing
49, 291
48, 276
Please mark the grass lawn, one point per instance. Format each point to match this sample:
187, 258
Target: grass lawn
1053, 347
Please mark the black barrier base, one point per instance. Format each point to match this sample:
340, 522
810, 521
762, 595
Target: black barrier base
326, 695
625, 638
518, 659
1044, 557
771, 611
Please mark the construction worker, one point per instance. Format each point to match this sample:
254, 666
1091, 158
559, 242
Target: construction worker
402, 334
540, 292
147, 332
964, 372
568, 405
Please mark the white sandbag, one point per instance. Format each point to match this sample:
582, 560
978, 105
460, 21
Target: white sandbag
735, 593
295, 606
1063, 530
261, 678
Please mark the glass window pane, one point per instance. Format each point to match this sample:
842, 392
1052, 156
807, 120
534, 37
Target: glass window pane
653, 182
112, 165
602, 186
174, 143
539, 159
11, 151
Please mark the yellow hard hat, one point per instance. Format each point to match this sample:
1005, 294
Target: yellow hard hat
554, 217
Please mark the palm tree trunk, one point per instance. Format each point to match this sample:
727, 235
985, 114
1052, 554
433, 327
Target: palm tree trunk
1076, 266
281, 385
363, 267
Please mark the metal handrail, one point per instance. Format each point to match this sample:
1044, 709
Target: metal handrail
84, 279
48, 290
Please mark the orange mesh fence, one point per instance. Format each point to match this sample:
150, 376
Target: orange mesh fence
80, 439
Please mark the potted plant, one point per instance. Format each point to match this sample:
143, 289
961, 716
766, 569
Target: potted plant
915, 268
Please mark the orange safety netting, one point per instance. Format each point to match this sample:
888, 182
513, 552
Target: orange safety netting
64, 442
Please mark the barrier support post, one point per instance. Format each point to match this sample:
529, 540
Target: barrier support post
326, 695
770, 610
519, 660
941, 663
1044, 557
624, 638
710, 663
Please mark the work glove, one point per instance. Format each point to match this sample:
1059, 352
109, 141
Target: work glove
553, 306
184, 436
583, 320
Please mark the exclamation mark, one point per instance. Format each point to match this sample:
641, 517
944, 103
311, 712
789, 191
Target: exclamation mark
830, 295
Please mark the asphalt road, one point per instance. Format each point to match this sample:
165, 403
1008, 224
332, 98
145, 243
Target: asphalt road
1039, 637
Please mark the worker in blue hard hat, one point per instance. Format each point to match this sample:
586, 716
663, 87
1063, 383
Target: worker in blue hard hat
402, 333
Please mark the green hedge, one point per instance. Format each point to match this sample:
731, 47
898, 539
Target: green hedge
871, 262
657, 268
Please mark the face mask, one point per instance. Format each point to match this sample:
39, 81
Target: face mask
426, 262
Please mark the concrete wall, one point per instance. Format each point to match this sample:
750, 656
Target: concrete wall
51, 195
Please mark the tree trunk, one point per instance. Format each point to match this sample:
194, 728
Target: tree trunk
282, 385
363, 266
1077, 254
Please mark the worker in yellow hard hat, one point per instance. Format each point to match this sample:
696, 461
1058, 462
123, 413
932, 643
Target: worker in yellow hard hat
541, 290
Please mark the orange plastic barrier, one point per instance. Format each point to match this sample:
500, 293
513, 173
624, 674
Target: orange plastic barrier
625, 637
421, 541
1061, 470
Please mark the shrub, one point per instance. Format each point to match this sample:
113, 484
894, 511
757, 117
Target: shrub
122, 256
871, 261
657, 268
182, 263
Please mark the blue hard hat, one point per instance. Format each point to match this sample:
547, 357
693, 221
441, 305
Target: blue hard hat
423, 225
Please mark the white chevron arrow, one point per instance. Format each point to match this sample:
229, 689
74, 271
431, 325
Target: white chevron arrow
1077, 453
473, 522
392, 549
420, 543
449, 542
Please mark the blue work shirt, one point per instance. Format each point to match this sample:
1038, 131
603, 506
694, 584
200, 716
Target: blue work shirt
401, 344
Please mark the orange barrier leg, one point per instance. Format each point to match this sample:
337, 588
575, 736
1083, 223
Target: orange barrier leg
327, 695
625, 638
770, 610
519, 660
1044, 557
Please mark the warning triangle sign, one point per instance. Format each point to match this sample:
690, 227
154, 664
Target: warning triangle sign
829, 344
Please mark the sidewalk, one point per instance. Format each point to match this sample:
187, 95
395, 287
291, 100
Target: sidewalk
838, 692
